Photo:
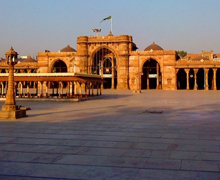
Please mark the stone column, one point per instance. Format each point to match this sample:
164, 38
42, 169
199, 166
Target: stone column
71, 89
74, 91
80, 90
21, 93
36, 86
187, 78
28, 94
206, 79
158, 76
61, 91
102, 70
2, 88
41, 89
113, 73
67, 90
195, 78
86, 95
148, 87
176, 71
214, 77
47, 84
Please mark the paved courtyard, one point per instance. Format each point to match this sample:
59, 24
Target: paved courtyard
152, 135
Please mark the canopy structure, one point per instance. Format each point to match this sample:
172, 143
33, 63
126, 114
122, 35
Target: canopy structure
45, 84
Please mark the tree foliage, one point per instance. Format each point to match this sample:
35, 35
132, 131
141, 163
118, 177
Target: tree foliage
182, 53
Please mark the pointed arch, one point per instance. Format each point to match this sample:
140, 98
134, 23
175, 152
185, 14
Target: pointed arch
104, 62
58, 66
151, 74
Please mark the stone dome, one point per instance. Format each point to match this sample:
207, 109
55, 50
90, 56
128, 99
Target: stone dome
153, 47
29, 59
68, 49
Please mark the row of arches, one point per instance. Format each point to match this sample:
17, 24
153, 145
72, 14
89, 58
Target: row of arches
198, 79
104, 63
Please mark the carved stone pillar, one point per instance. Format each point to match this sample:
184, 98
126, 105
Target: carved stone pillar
47, 84
68, 89
187, 78
21, 90
113, 74
214, 77
80, 90
157, 77
176, 71
195, 78
28, 91
75, 91
102, 70
86, 95
71, 89
61, 90
206, 79
148, 87
36, 87
41, 89
2, 84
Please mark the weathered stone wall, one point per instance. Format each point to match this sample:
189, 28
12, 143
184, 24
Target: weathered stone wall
46, 60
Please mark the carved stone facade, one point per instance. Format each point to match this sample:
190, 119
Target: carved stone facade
119, 63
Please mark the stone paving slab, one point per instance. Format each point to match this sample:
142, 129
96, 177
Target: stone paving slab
114, 137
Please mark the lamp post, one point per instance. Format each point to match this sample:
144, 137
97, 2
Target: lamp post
10, 110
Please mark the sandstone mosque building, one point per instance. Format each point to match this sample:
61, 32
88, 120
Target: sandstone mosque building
117, 60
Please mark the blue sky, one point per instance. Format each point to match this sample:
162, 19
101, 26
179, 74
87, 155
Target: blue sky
31, 26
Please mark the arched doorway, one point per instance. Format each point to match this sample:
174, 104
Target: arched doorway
181, 79
104, 64
59, 67
151, 76
201, 79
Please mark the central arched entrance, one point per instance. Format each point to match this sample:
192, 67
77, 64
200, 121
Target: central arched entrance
151, 76
104, 64
59, 67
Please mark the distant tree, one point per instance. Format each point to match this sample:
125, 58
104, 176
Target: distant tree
182, 53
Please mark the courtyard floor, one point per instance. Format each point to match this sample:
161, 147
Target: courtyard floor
121, 135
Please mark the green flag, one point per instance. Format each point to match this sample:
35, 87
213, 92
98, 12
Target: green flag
110, 17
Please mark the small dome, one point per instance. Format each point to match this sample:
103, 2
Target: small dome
199, 58
29, 59
154, 47
68, 49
